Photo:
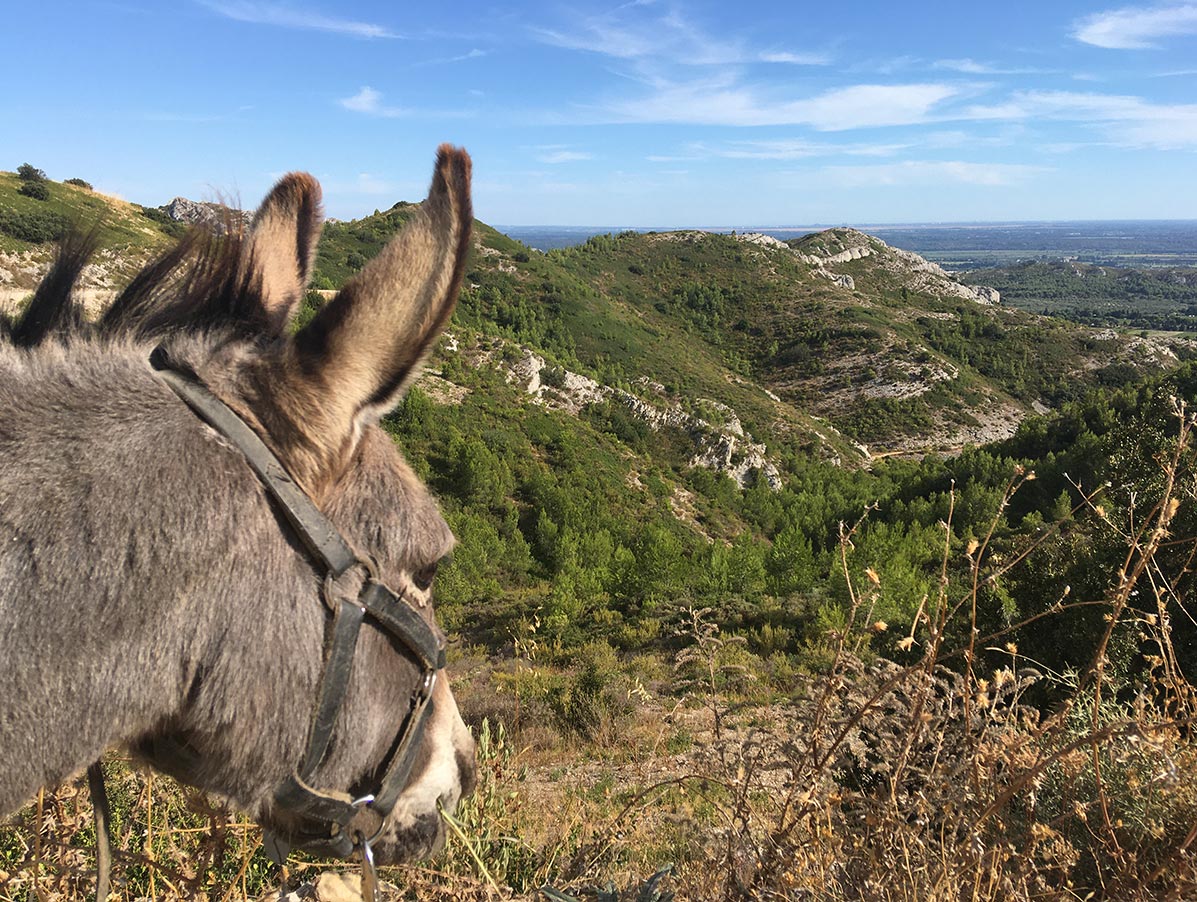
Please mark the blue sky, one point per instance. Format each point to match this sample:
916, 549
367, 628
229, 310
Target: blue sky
644, 113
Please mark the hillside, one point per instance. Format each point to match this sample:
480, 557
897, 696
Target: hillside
129, 235
814, 345
880, 343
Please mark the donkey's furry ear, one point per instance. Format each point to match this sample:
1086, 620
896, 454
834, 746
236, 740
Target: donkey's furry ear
277, 258
364, 347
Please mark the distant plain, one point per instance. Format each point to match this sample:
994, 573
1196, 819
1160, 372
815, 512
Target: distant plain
968, 245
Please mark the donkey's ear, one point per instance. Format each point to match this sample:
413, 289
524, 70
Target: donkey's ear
277, 257
362, 349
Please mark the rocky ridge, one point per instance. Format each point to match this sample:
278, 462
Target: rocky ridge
834, 247
724, 448
206, 213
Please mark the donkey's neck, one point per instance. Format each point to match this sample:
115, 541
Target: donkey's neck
145, 583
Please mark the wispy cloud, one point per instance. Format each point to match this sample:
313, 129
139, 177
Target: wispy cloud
597, 37
781, 149
913, 173
795, 59
264, 12
560, 153
1136, 27
475, 53
368, 183
723, 101
369, 101
972, 67
954, 138
1126, 120
669, 37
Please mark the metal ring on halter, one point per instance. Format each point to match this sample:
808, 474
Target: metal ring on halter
365, 802
377, 833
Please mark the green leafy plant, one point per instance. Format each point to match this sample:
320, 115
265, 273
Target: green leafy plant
38, 190
27, 172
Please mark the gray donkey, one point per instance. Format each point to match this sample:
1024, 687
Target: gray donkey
156, 593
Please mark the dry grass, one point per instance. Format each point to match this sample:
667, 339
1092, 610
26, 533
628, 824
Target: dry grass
934, 780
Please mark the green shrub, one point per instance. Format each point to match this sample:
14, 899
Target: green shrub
553, 376
36, 227
168, 225
29, 173
79, 183
36, 190
589, 702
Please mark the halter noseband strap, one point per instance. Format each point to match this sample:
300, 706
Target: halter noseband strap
334, 822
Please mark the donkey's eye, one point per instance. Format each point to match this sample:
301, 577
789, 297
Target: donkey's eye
423, 578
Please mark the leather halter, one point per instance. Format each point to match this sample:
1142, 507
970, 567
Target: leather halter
332, 821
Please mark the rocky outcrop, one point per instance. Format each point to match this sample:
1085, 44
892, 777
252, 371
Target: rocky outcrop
762, 240
726, 448
852, 253
835, 247
217, 216
743, 461
909, 379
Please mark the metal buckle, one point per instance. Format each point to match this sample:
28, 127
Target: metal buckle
429, 684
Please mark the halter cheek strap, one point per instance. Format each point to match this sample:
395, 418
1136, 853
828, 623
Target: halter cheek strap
332, 821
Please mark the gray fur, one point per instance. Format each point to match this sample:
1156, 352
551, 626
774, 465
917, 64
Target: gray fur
148, 587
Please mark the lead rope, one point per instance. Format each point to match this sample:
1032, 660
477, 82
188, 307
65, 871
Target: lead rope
103, 819
369, 877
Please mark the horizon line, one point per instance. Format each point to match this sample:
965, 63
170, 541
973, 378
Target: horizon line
946, 223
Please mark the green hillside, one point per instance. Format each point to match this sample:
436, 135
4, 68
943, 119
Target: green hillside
28, 223
887, 348
593, 525
584, 418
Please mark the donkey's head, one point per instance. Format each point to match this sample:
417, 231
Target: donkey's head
315, 396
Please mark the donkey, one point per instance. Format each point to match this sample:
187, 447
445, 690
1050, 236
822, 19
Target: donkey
155, 593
